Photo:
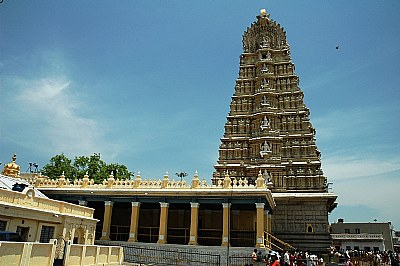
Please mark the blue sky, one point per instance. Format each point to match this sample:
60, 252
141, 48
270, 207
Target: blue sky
148, 84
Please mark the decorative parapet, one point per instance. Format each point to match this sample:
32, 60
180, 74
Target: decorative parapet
260, 182
85, 181
165, 181
196, 180
61, 181
110, 181
139, 183
377, 237
227, 181
28, 199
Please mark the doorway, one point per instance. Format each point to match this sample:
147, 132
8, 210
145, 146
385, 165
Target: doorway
23, 232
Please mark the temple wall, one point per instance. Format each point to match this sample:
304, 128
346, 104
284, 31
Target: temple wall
302, 223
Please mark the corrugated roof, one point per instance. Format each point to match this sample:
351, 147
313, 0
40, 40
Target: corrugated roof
7, 183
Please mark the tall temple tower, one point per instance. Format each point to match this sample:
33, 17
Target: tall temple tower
268, 131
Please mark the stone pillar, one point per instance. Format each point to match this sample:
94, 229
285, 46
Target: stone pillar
134, 222
269, 223
260, 225
162, 233
225, 224
105, 232
266, 228
194, 222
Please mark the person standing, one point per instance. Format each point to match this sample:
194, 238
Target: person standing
286, 258
274, 259
299, 259
254, 257
291, 259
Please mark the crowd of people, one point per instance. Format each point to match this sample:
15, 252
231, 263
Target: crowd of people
365, 258
347, 258
296, 258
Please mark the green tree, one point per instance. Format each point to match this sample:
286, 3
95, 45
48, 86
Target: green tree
97, 168
93, 165
120, 171
59, 164
81, 166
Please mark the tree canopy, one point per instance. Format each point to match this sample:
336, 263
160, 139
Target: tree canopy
92, 165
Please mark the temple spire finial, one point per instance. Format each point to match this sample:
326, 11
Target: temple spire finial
12, 169
263, 14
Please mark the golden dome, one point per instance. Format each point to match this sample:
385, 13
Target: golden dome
11, 169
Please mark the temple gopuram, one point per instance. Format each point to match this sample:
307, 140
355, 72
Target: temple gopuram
268, 131
268, 189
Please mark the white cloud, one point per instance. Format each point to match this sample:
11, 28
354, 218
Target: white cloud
335, 75
55, 119
360, 156
378, 192
46, 113
348, 167
358, 142
355, 123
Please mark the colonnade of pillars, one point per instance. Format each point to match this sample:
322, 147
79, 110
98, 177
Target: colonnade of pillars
263, 222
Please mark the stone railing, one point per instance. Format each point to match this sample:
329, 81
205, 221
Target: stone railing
139, 183
27, 199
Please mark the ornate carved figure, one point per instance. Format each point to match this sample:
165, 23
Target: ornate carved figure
265, 123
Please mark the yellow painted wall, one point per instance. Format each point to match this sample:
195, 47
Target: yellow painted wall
25, 253
42, 255
90, 255
32, 224
11, 253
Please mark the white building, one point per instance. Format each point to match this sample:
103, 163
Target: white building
371, 236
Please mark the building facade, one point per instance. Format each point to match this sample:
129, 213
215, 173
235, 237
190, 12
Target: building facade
372, 236
268, 131
36, 218
231, 212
